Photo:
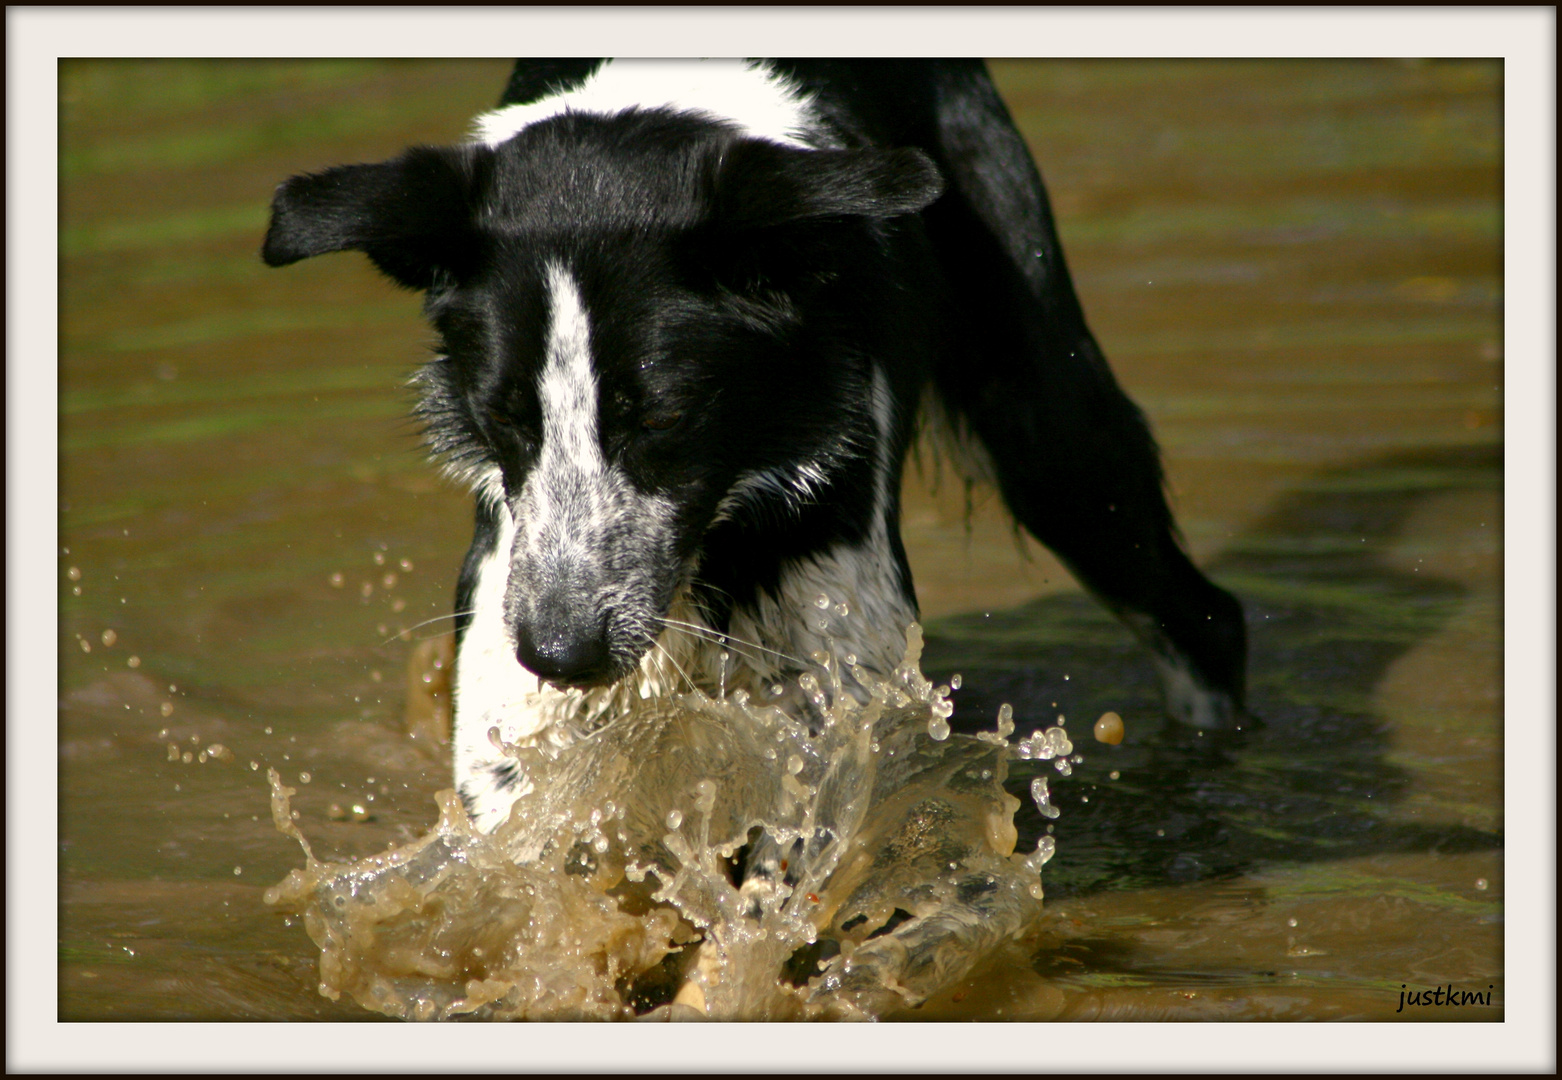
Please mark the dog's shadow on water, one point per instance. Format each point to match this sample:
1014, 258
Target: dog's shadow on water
1326, 619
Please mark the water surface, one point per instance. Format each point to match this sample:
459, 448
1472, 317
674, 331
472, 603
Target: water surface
1295, 268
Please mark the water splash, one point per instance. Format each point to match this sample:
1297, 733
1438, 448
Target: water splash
667, 867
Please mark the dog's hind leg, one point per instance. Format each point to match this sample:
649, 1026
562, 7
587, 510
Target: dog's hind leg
1071, 454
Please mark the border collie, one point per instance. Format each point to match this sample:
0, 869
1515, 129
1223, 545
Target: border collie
689, 317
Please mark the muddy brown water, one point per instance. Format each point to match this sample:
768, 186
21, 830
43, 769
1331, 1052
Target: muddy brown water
1295, 269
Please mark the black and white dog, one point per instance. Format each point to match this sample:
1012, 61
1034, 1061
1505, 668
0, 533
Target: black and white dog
690, 314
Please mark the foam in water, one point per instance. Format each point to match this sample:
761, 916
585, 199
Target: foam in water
872, 850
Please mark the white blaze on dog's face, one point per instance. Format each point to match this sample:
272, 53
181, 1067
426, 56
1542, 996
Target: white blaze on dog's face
594, 561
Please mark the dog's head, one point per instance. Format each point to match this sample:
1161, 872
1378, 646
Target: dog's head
632, 343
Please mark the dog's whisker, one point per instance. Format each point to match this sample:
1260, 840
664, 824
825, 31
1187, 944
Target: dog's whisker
676, 666
440, 618
713, 638
426, 622
720, 638
752, 650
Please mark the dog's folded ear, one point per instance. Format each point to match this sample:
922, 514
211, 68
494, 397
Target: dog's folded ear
412, 215
762, 183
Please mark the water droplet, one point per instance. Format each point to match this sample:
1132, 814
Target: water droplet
954, 681
74, 573
938, 728
1109, 729
109, 637
674, 818
338, 580
842, 609
1042, 797
821, 601
1058, 742
304, 778
133, 662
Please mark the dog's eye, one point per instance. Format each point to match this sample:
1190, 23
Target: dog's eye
663, 421
503, 429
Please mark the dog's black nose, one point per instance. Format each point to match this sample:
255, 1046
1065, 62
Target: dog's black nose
565, 656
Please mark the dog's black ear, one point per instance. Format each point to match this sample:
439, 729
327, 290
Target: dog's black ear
763, 183
412, 215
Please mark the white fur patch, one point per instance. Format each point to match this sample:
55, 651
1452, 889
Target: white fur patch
748, 94
491, 690
796, 485
1185, 696
488, 485
1186, 700
568, 389
569, 496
